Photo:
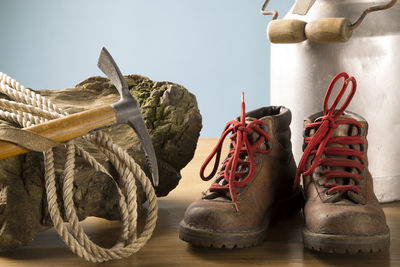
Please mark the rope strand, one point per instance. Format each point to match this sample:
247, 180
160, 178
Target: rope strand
27, 108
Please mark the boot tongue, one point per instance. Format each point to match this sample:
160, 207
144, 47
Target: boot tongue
253, 136
341, 130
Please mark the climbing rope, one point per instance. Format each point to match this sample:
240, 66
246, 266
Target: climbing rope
27, 108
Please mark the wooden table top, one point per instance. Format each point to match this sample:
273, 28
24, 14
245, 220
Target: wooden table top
283, 246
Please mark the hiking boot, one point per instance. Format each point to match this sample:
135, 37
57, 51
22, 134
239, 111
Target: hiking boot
253, 186
342, 213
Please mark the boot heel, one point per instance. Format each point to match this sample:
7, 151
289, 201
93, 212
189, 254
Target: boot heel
290, 206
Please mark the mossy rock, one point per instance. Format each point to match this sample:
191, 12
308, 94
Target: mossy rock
174, 122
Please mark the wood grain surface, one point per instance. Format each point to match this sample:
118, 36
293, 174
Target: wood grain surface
283, 247
328, 30
286, 31
64, 129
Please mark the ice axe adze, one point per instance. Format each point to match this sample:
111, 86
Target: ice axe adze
125, 111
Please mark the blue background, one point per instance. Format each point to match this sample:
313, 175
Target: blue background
215, 48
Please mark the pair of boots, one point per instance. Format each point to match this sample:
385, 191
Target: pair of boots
259, 182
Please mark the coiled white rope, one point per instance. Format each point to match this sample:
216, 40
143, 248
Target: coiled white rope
27, 108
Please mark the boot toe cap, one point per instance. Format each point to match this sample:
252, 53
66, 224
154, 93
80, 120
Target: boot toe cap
346, 220
213, 215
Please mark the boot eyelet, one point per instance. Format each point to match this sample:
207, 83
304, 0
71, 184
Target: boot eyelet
269, 146
362, 148
361, 131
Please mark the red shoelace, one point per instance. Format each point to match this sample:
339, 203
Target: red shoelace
316, 144
240, 148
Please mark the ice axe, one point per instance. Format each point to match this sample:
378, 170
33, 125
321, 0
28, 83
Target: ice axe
125, 111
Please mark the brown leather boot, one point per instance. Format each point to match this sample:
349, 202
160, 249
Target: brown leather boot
253, 187
342, 214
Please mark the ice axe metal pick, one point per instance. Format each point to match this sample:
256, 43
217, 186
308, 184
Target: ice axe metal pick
125, 111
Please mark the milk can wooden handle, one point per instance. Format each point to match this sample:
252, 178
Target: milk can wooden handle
286, 31
328, 30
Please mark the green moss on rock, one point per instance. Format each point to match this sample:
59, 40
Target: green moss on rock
171, 114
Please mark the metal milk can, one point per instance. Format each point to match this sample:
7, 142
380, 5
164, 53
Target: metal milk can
301, 72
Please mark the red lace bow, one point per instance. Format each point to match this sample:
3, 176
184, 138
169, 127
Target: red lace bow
241, 148
316, 144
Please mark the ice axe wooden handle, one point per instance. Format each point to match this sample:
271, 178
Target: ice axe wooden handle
64, 129
329, 30
125, 111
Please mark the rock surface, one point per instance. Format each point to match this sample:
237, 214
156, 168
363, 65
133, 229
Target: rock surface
174, 122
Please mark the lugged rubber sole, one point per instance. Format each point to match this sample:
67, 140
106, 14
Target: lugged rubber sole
213, 239
346, 244
205, 238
